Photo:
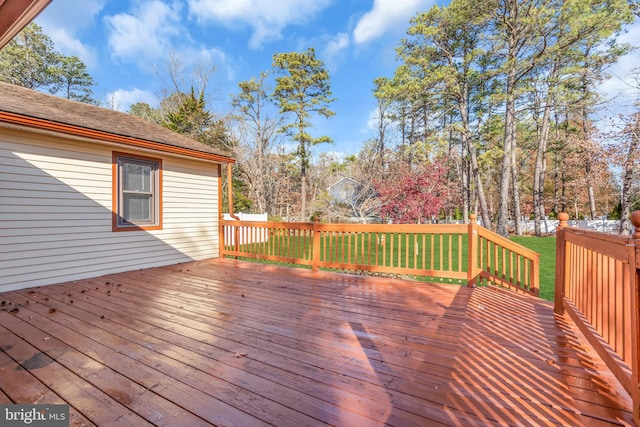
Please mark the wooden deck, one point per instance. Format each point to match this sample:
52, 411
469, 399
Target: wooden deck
226, 342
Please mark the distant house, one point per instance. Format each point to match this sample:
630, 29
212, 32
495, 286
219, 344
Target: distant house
345, 191
358, 199
86, 191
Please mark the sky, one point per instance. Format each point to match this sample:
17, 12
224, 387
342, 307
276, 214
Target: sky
126, 46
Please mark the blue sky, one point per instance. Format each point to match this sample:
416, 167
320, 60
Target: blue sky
126, 46
125, 43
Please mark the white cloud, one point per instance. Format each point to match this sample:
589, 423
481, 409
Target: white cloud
70, 46
621, 87
267, 18
386, 15
336, 45
373, 122
218, 58
146, 33
620, 90
122, 99
336, 156
72, 15
64, 28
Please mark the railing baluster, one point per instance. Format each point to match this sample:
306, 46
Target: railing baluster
397, 248
441, 260
424, 251
619, 342
597, 285
460, 252
389, 257
433, 252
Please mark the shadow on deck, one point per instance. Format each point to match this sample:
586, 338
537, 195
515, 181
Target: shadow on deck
228, 342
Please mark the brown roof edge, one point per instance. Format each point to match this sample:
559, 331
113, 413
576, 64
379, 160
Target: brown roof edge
17, 14
36, 123
27, 107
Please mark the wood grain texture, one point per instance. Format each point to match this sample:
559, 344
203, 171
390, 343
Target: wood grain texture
226, 342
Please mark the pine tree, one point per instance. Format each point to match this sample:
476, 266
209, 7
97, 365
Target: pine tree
303, 89
72, 80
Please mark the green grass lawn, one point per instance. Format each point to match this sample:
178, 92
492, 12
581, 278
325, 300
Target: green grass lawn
396, 248
546, 247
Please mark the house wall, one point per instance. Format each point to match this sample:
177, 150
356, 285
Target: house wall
56, 212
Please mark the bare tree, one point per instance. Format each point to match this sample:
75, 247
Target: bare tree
256, 123
631, 135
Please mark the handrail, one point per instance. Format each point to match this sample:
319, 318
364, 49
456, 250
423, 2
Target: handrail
597, 285
507, 264
466, 253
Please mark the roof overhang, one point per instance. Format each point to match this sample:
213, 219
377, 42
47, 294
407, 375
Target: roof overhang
17, 14
98, 135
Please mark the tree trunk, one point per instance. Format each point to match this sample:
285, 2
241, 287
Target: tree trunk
563, 193
303, 182
540, 168
556, 185
502, 226
592, 199
517, 215
465, 175
473, 160
303, 197
556, 169
627, 180
482, 200
466, 183
587, 172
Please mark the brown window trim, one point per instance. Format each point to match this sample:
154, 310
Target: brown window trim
115, 225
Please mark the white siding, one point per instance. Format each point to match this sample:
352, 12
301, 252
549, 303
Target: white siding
55, 212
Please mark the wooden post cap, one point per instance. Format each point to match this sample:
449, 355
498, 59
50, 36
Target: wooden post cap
473, 218
635, 221
564, 220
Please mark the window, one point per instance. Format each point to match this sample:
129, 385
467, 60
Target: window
137, 192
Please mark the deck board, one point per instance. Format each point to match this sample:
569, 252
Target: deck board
225, 342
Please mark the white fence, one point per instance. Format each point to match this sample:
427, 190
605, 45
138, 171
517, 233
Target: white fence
262, 236
549, 226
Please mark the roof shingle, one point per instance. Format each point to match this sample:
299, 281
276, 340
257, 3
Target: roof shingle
33, 104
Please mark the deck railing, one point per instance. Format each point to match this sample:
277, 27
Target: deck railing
597, 284
466, 253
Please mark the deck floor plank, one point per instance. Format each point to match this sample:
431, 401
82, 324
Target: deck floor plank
131, 308
94, 361
286, 350
168, 377
31, 389
4, 399
400, 339
91, 402
229, 342
400, 361
541, 363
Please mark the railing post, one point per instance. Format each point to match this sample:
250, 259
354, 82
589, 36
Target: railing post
635, 320
561, 261
223, 241
315, 256
534, 281
472, 252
